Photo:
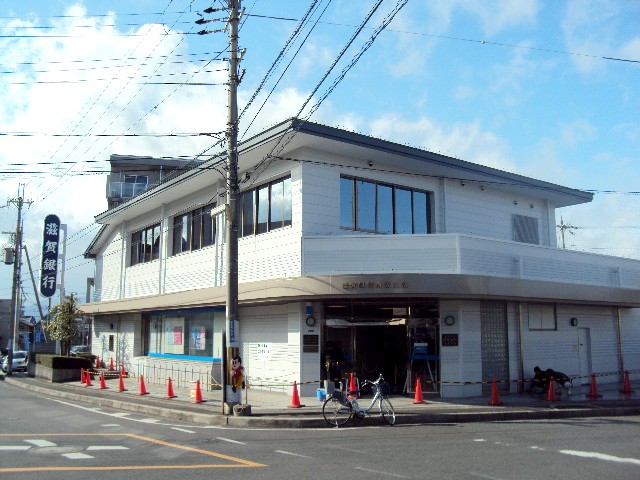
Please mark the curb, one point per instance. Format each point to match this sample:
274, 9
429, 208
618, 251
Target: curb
276, 421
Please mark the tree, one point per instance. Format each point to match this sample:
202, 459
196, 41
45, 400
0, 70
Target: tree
63, 322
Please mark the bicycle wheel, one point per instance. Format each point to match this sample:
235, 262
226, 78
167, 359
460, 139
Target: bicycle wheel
386, 410
335, 413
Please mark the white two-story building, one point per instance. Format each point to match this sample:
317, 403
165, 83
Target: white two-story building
362, 255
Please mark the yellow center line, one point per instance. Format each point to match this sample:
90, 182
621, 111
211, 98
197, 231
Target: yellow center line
238, 462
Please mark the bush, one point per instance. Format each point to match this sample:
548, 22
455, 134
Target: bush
57, 361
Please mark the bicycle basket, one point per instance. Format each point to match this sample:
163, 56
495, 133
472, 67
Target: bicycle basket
385, 388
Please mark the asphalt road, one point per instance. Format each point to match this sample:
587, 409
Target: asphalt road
54, 439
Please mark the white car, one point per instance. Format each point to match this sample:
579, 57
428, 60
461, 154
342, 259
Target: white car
19, 362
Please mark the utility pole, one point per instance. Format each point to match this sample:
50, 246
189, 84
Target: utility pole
564, 226
15, 290
233, 395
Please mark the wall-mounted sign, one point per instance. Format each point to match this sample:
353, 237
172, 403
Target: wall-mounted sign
449, 339
264, 351
374, 285
50, 247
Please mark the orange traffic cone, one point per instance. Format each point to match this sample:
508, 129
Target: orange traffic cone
593, 393
198, 397
295, 399
170, 393
103, 384
143, 388
418, 396
495, 397
626, 386
97, 362
551, 391
83, 380
123, 372
121, 386
353, 389
88, 383
111, 367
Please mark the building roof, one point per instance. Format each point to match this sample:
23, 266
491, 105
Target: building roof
294, 134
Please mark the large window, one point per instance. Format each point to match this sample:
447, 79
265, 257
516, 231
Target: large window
145, 245
266, 207
194, 230
134, 185
188, 334
370, 206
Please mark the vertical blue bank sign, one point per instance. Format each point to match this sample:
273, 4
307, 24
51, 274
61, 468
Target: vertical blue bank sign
49, 267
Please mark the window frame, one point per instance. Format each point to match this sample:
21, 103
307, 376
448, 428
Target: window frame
193, 223
261, 205
145, 245
350, 198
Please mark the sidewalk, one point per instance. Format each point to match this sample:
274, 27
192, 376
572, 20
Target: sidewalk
272, 409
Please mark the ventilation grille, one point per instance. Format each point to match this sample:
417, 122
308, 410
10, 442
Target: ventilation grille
525, 229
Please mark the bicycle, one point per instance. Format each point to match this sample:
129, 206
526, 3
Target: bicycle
338, 408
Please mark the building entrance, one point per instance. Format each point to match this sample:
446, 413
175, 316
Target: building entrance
370, 338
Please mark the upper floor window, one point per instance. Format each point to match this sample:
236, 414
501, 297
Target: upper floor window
145, 245
194, 230
134, 185
371, 206
266, 207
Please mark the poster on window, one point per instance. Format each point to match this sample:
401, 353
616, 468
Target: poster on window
173, 335
199, 335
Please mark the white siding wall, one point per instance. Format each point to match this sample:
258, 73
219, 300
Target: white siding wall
464, 362
559, 349
192, 270
488, 212
142, 279
513, 344
127, 336
109, 274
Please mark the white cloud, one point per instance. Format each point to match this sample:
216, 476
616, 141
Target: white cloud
65, 184
494, 16
596, 28
577, 132
467, 141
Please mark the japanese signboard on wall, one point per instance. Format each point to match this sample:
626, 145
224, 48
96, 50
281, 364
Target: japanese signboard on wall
263, 351
50, 247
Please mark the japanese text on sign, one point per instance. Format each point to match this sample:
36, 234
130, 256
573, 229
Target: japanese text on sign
50, 247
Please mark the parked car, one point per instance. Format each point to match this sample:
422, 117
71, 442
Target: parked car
76, 349
19, 362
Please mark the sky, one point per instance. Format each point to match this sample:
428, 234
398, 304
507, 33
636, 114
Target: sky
546, 89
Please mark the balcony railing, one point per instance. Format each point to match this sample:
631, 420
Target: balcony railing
464, 255
126, 190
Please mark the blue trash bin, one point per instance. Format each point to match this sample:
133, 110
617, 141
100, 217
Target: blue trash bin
321, 394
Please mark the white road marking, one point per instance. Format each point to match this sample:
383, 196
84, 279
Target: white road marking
77, 456
106, 447
378, 472
14, 447
182, 430
120, 414
230, 441
478, 439
150, 420
41, 443
284, 452
601, 456
111, 425
487, 477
